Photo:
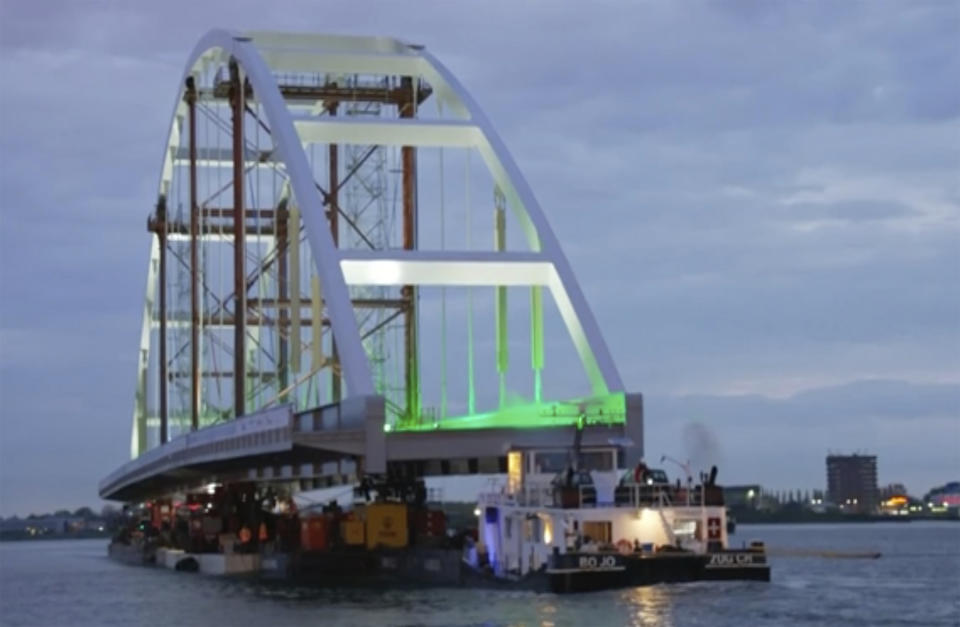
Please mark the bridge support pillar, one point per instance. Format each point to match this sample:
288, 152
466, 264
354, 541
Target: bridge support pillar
191, 98
283, 293
375, 440
333, 211
500, 297
408, 155
633, 429
162, 304
237, 102
369, 414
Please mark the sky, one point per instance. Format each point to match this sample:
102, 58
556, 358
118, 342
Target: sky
760, 200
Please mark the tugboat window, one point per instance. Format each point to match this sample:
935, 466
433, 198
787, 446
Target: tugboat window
553, 461
600, 531
686, 528
532, 529
602, 461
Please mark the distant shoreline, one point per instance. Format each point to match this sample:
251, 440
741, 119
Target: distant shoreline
461, 515
83, 535
743, 518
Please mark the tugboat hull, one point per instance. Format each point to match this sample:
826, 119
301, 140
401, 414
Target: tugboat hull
583, 572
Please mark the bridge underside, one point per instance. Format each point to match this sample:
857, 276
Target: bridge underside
342, 441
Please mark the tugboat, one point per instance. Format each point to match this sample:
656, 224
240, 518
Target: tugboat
580, 530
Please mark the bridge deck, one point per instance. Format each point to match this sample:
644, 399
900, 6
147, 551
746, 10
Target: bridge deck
298, 444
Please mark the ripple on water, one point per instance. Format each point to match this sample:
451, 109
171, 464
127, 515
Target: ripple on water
73, 583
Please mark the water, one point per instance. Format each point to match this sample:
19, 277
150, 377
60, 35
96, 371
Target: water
916, 582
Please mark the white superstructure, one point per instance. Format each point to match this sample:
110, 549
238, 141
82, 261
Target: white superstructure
538, 514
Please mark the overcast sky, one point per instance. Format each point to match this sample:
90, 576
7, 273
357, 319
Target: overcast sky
782, 177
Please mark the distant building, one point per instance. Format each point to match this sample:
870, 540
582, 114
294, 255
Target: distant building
13, 524
852, 482
945, 496
745, 496
892, 490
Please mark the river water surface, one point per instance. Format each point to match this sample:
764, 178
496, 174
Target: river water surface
916, 582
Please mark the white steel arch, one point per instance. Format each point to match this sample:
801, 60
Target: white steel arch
260, 56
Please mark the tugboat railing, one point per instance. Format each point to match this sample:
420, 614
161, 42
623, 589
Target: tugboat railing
526, 496
643, 496
549, 495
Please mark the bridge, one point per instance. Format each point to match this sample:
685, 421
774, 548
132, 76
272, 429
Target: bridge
344, 261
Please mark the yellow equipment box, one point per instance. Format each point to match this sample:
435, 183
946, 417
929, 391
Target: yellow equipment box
387, 525
352, 531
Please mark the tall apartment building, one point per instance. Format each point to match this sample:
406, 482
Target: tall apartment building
852, 482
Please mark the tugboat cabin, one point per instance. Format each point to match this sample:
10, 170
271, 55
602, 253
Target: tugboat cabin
588, 518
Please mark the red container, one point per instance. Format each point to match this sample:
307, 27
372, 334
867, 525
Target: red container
430, 523
436, 523
313, 533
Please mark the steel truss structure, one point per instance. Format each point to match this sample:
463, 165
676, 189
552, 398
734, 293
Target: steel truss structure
287, 265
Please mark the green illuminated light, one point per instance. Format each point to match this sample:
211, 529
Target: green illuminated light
608, 409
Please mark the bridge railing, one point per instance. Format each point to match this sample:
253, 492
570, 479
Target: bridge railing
256, 433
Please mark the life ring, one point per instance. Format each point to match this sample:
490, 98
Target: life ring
624, 546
